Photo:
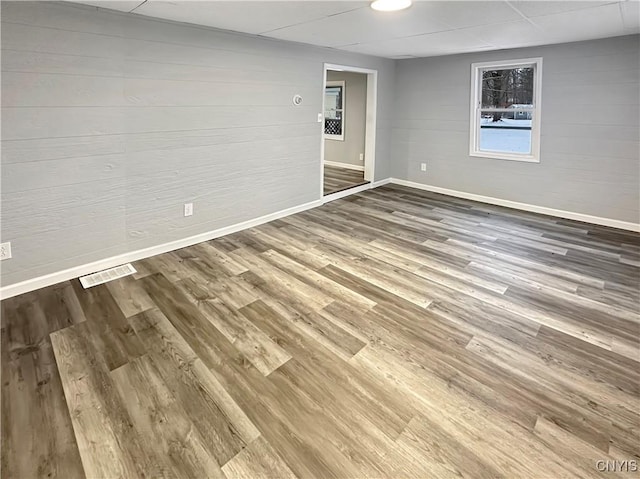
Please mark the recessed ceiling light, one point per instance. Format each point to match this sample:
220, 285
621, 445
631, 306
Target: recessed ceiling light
390, 5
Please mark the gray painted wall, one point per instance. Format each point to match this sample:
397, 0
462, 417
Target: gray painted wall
111, 122
589, 137
348, 151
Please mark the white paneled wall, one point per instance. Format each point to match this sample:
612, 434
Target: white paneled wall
111, 122
590, 149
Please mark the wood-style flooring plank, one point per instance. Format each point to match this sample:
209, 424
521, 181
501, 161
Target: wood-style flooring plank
109, 445
394, 333
372, 399
232, 291
160, 419
280, 282
224, 427
253, 343
258, 460
209, 344
338, 179
130, 296
505, 445
110, 333
446, 455
37, 434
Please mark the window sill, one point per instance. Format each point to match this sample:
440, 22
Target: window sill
334, 137
495, 155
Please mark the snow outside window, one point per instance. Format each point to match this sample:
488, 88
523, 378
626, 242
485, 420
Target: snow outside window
505, 110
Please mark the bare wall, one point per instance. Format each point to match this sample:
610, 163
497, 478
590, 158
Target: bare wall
111, 122
589, 137
348, 151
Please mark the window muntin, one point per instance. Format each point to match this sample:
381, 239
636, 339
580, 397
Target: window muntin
505, 111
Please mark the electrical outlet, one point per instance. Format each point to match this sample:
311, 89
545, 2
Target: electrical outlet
361, 157
423, 167
5, 250
188, 209
320, 117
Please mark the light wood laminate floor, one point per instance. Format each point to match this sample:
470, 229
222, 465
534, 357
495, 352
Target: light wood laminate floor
339, 179
394, 333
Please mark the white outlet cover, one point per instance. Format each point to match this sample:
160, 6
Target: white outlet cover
5, 250
188, 209
423, 167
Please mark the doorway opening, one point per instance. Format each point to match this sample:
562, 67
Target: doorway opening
348, 135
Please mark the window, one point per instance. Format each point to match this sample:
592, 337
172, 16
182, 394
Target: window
334, 111
505, 109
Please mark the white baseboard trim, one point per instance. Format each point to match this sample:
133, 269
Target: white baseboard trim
624, 225
357, 189
71, 273
386, 181
345, 165
347, 192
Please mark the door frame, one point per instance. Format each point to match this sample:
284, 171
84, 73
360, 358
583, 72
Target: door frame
370, 126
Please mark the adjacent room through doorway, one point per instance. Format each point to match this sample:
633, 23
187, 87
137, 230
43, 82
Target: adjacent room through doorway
345, 118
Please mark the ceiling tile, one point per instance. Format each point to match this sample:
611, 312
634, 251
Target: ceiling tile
510, 35
468, 14
536, 8
362, 26
120, 5
433, 44
245, 16
429, 27
596, 22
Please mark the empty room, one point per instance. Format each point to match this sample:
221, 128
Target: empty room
320, 239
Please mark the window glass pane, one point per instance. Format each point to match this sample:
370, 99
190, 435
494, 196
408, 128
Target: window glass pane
508, 88
333, 110
333, 98
506, 131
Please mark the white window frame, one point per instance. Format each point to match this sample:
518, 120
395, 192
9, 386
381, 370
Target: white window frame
339, 83
476, 107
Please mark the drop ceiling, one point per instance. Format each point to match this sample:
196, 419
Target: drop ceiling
427, 28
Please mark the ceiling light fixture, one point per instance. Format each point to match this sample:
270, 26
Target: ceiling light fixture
390, 5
